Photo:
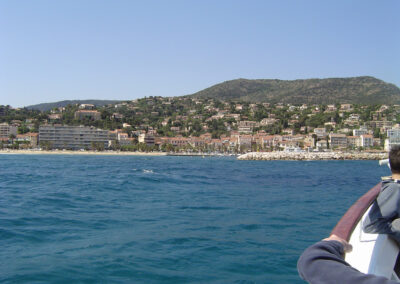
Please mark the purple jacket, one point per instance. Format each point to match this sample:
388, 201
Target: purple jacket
323, 263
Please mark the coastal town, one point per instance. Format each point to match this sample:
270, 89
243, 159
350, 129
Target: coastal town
191, 125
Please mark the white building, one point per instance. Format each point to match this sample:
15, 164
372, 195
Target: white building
321, 145
320, 132
393, 138
72, 137
359, 132
367, 140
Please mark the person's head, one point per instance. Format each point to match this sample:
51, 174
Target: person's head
394, 159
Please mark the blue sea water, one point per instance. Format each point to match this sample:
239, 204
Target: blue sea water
131, 219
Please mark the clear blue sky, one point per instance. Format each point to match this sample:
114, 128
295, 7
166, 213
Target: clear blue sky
94, 49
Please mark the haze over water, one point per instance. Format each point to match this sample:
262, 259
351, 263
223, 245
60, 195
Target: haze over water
135, 219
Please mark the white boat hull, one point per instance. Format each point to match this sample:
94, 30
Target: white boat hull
373, 253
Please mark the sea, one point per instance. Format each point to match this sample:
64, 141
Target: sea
164, 219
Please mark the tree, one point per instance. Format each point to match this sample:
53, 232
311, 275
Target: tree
377, 133
46, 145
23, 129
98, 146
12, 137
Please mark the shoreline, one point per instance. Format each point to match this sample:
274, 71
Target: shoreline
99, 153
313, 156
259, 156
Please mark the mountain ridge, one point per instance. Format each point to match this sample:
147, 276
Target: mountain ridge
362, 90
64, 103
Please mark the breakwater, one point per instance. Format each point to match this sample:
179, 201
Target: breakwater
309, 156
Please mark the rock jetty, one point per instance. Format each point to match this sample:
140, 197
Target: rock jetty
310, 156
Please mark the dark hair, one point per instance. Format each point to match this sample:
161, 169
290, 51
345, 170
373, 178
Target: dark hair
394, 159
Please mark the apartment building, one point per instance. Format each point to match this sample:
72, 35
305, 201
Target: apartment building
367, 140
72, 137
381, 124
6, 130
337, 140
245, 140
146, 138
354, 141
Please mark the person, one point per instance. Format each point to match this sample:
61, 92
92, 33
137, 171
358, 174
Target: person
323, 263
382, 218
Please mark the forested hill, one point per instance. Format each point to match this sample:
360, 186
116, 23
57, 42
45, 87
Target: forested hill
49, 106
360, 90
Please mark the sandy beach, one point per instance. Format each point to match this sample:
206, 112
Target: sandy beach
62, 152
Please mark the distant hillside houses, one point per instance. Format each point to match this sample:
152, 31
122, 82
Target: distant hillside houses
87, 114
196, 125
78, 137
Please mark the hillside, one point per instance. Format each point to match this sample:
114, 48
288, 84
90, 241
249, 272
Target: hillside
49, 106
362, 90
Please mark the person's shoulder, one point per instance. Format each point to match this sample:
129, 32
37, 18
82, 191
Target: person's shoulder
390, 186
390, 182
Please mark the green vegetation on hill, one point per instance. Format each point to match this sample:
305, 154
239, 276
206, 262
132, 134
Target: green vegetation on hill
358, 90
49, 106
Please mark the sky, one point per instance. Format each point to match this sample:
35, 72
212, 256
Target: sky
126, 49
